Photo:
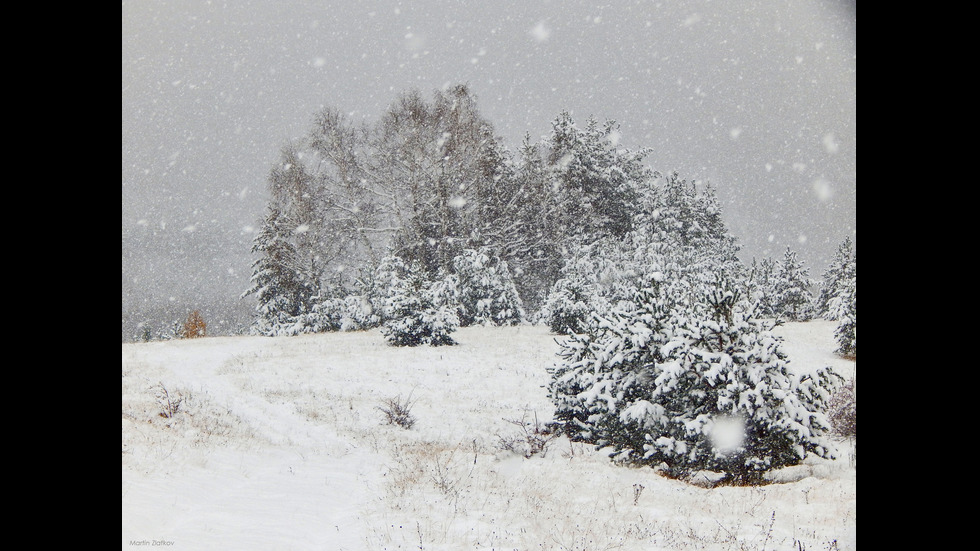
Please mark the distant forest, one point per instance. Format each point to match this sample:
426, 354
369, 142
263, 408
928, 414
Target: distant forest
429, 197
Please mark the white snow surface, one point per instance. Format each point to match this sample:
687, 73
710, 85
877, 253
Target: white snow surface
279, 444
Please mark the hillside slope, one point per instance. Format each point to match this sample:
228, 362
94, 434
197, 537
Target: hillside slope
279, 443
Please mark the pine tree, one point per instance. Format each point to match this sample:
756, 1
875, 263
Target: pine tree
283, 293
689, 387
572, 302
388, 279
679, 238
760, 286
838, 275
844, 306
296, 196
356, 313
416, 310
791, 288
487, 295
597, 183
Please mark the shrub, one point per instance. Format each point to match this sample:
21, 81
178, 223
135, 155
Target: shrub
144, 333
169, 403
398, 411
842, 410
533, 439
424, 325
357, 314
194, 326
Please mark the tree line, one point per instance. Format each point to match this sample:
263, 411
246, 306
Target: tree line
425, 183
567, 225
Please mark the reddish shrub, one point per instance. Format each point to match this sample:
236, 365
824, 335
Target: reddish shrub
194, 326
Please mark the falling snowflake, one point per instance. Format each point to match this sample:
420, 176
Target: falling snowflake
830, 143
727, 434
823, 189
540, 32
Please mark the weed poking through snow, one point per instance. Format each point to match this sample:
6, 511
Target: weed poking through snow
398, 411
169, 403
534, 438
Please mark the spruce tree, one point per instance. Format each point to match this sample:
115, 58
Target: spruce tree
760, 286
679, 237
572, 302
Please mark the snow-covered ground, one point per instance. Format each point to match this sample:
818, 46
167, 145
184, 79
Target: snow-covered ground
279, 444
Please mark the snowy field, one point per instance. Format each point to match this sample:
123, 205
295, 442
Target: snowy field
279, 444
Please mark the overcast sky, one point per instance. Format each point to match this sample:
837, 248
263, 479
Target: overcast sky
755, 97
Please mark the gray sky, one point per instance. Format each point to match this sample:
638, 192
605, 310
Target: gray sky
755, 97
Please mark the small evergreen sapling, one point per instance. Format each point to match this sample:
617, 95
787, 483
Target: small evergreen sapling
144, 333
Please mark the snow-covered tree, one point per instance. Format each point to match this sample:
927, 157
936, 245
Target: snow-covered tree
487, 295
431, 179
689, 387
679, 238
356, 313
845, 307
597, 181
297, 197
791, 288
441, 165
358, 207
283, 291
836, 279
526, 231
572, 302
417, 310
759, 285
389, 276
